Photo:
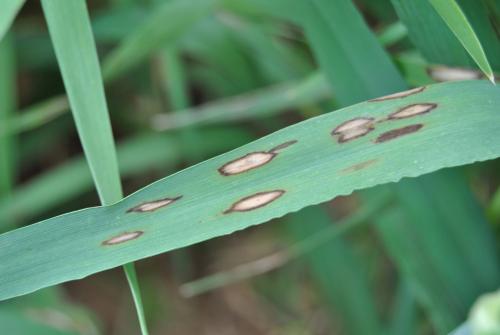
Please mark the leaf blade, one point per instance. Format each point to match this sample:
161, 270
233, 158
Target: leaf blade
10, 8
456, 20
72, 244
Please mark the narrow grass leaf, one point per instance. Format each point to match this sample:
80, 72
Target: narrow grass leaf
260, 103
429, 33
10, 8
328, 26
351, 296
455, 18
404, 311
70, 30
396, 231
305, 164
81, 74
36, 116
484, 17
7, 107
166, 23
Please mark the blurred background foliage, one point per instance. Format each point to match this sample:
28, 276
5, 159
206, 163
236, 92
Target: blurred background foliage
188, 79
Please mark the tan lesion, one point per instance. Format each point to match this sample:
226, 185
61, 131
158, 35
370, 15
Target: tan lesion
255, 201
353, 129
151, 206
252, 160
412, 110
123, 237
400, 95
248, 162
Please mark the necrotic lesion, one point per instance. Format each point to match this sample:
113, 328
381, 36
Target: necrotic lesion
255, 201
151, 206
395, 133
124, 237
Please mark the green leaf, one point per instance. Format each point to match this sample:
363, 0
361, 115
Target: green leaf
69, 27
10, 8
36, 116
446, 211
166, 23
7, 107
77, 58
455, 18
354, 77
259, 103
429, 33
351, 296
200, 203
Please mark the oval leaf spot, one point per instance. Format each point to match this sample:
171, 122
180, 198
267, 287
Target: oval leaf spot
360, 122
153, 205
255, 201
412, 110
444, 73
355, 133
359, 166
395, 133
282, 146
400, 95
247, 162
124, 237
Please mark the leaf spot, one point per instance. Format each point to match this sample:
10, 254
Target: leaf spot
255, 201
123, 237
359, 166
395, 133
399, 95
153, 205
354, 128
412, 110
248, 162
282, 146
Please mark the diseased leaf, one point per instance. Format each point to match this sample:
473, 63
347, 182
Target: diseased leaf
310, 164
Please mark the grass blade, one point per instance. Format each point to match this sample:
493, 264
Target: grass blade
404, 311
351, 295
81, 74
302, 173
132, 50
133, 283
10, 8
7, 107
36, 116
398, 233
260, 103
429, 33
456, 20
167, 23
70, 30
341, 56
